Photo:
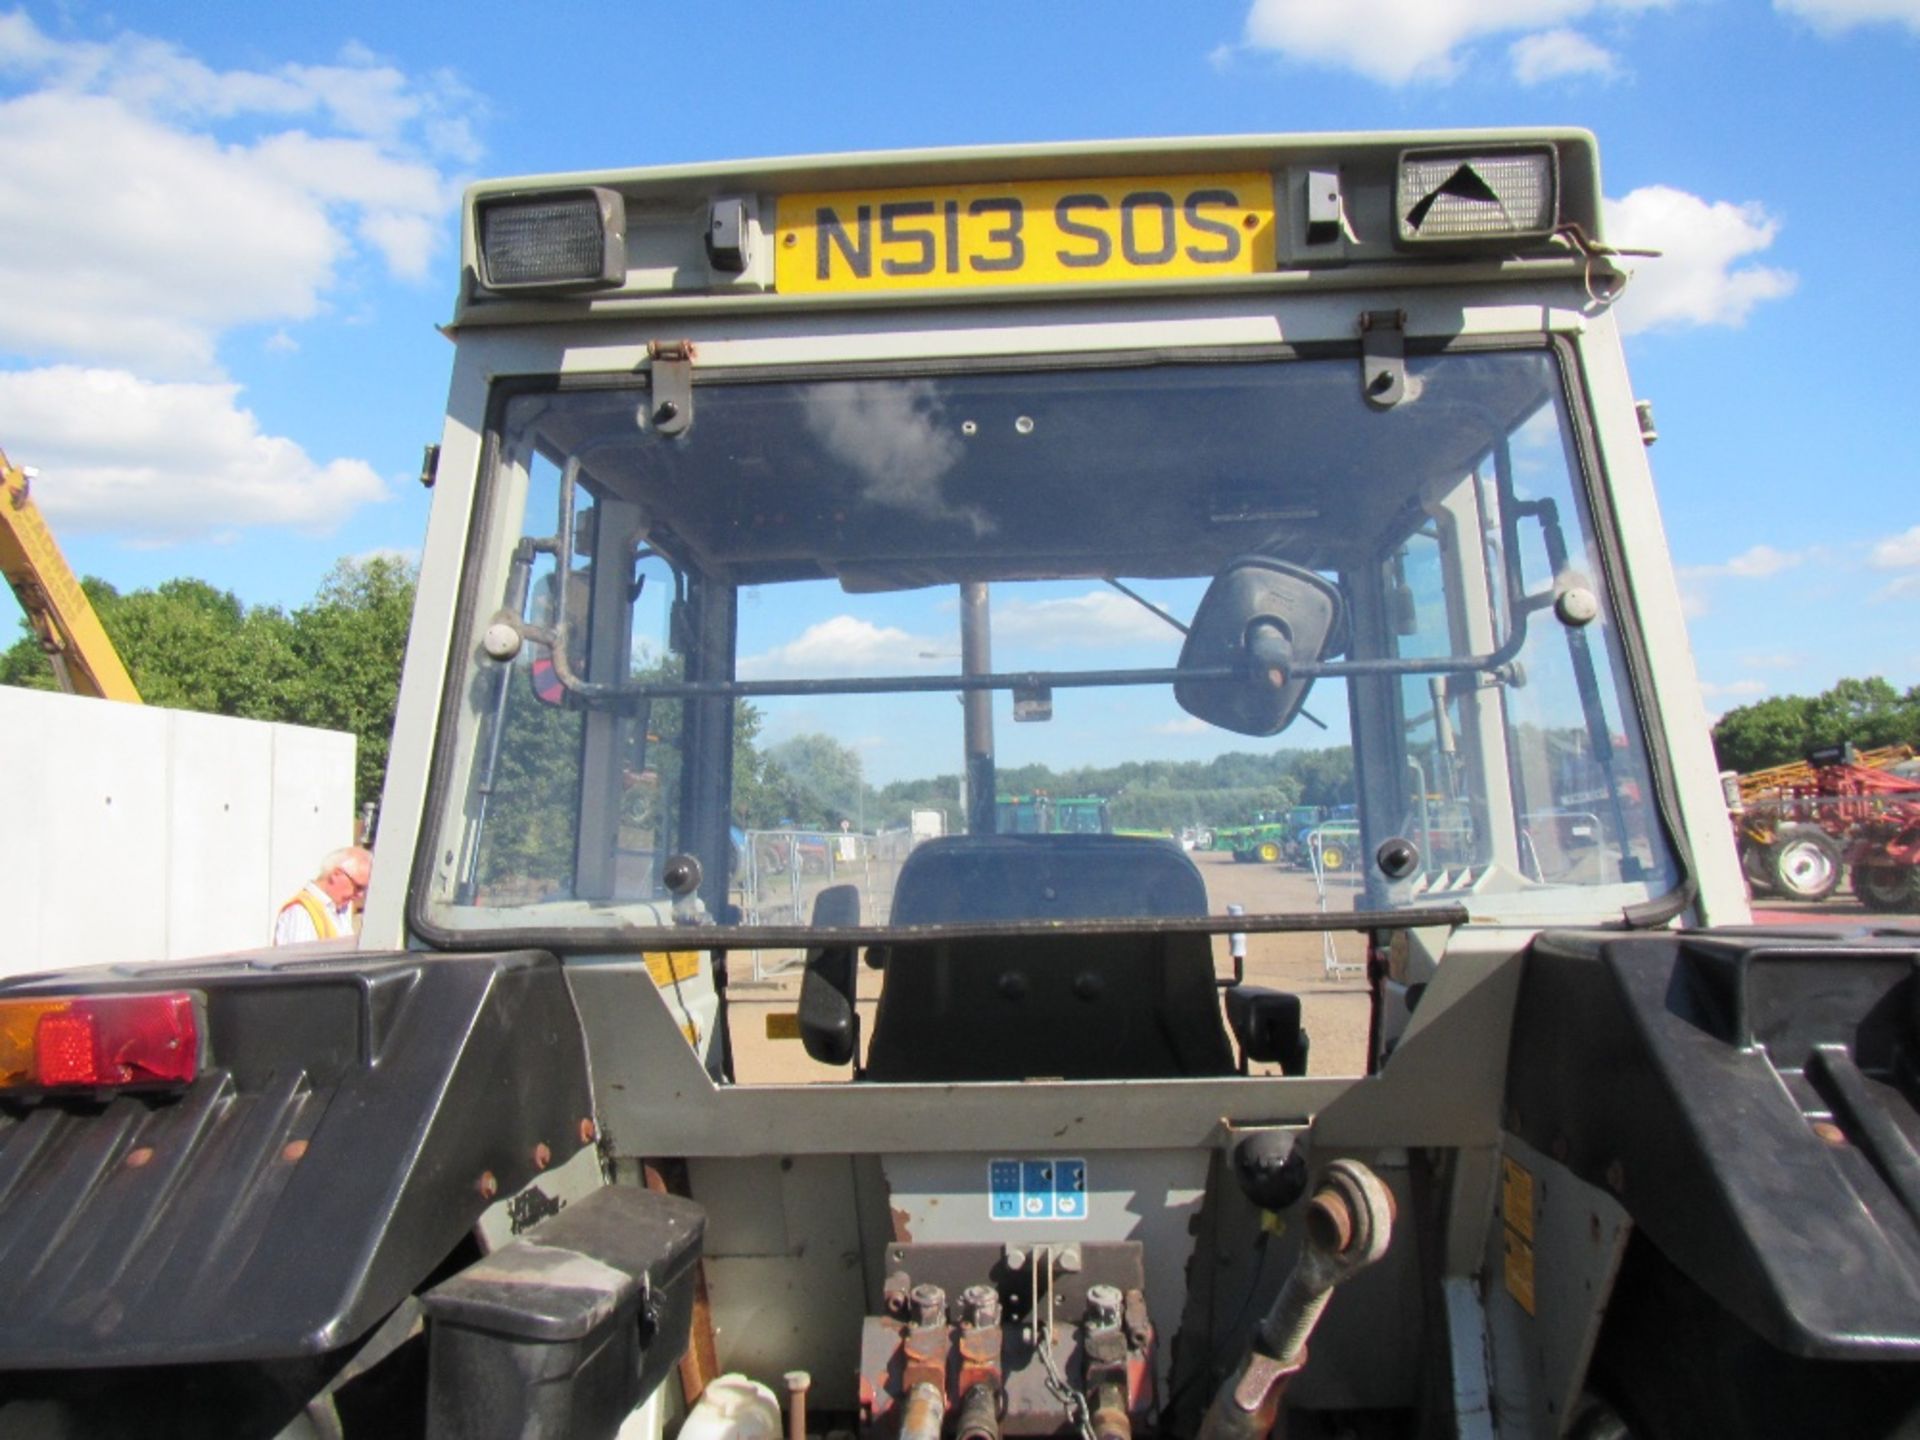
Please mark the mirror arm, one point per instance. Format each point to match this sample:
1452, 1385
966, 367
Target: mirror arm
1271, 651
593, 692
1493, 661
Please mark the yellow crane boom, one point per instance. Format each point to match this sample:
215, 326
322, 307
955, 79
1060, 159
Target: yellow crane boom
83, 658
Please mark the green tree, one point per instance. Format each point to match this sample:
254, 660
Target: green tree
533, 792
187, 645
1869, 712
892, 808
1325, 776
819, 781
348, 646
24, 664
1231, 789
334, 663
756, 796
1768, 732
529, 799
1782, 728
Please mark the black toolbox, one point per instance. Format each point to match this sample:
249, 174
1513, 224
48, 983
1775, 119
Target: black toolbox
566, 1330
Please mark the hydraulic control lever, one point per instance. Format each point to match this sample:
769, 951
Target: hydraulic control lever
1348, 1223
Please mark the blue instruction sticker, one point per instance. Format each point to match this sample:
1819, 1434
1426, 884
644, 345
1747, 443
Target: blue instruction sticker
1070, 1188
1037, 1189
1003, 1186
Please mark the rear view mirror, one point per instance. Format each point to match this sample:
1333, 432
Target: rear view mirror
1263, 618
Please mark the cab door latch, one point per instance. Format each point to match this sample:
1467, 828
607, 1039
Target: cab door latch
1383, 357
671, 381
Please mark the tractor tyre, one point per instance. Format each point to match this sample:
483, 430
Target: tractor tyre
1333, 856
1268, 851
1803, 863
1887, 886
1243, 857
1756, 863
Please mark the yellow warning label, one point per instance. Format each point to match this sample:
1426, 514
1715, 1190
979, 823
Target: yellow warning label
1516, 1197
1519, 1268
783, 1025
667, 966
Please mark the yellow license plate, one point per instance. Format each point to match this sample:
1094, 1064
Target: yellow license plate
1036, 232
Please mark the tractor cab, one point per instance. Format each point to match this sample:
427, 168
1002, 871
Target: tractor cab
845, 576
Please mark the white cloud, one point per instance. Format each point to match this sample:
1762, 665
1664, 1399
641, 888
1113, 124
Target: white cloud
195, 240
1398, 41
400, 202
167, 461
1733, 690
1758, 562
848, 645
1096, 620
359, 95
1897, 552
1557, 54
1761, 561
22, 46
1834, 16
1185, 725
407, 241
899, 442
153, 203
1775, 660
1698, 278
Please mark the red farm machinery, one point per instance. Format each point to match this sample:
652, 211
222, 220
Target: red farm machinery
1801, 826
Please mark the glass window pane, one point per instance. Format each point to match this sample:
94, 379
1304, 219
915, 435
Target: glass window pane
802, 559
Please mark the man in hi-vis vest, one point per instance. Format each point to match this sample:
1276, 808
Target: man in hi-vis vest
323, 910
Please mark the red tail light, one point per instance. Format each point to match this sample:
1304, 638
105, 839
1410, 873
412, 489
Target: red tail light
63, 1049
98, 1042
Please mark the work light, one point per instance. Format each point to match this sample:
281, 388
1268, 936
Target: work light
554, 238
1455, 197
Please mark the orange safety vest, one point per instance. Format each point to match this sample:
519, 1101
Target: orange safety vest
322, 917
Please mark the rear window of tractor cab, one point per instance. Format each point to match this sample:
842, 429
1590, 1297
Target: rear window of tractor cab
746, 644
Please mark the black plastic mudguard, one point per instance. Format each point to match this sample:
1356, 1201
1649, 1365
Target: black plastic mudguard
335, 1149
1749, 1096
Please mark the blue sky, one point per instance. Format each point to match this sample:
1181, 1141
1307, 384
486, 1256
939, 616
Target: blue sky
230, 230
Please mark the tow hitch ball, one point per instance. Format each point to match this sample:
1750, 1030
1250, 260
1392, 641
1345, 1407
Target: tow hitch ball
1348, 1223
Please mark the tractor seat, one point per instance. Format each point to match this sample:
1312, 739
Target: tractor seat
1048, 1005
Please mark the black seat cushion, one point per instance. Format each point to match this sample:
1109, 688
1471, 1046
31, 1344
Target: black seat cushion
1048, 1005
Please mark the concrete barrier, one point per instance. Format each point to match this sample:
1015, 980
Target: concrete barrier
130, 832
